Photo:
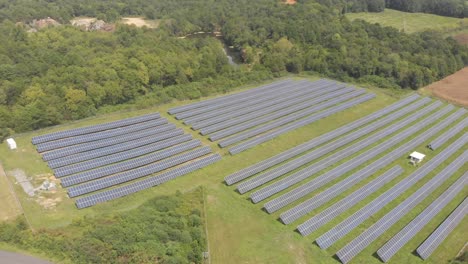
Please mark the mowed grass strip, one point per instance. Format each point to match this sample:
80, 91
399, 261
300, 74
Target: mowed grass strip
9, 207
409, 22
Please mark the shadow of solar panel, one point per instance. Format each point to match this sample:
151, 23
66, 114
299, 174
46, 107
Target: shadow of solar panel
91, 129
146, 183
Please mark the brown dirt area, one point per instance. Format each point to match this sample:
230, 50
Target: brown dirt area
453, 88
290, 2
140, 22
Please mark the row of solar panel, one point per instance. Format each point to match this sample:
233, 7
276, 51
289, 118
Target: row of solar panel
92, 129
146, 183
227, 98
251, 116
307, 206
343, 168
232, 126
332, 146
383, 224
268, 163
290, 97
55, 144
321, 219
335, 190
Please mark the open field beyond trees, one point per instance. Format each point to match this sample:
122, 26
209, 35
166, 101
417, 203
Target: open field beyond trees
453, 88
411, 22
239, 231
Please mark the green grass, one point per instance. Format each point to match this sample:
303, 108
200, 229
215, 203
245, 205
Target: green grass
411, 22
239, 231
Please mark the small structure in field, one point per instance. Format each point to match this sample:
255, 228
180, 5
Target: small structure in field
416, 158
11, 143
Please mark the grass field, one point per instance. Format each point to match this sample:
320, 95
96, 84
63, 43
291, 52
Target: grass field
239, 231
411, 22
9, 207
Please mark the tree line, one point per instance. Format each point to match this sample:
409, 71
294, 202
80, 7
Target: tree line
167, 230
63, 73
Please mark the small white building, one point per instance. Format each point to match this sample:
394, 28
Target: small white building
416, 158
11, 143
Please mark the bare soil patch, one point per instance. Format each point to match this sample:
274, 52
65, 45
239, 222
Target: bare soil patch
453, 88
290, 2
140, 22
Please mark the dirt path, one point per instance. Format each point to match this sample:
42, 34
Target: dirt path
10, 257
9, 205
453, 88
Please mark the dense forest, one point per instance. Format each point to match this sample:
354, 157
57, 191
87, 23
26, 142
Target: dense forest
167, 230
64, 73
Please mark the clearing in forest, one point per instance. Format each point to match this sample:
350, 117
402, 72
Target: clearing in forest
453, 88
410, 22
140, 22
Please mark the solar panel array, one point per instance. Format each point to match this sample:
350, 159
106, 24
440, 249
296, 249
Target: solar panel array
439, 235
244, 120
99, 160
359, 152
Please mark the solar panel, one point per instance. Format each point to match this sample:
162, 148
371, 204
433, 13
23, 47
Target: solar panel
344, 204
410, 230
440, 234
337, 209
54, 154
298, 88
449, 134
218, 100
364, 239
331, 236
268, 163
156, 124
128, 164
92, 129
291, 118
343, 168
248, 113
136, 173
122, 148
146, 183
332, 146
300, 123
284, 113
232, 101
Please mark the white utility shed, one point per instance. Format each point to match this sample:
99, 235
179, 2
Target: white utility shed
416, 157
11, 143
